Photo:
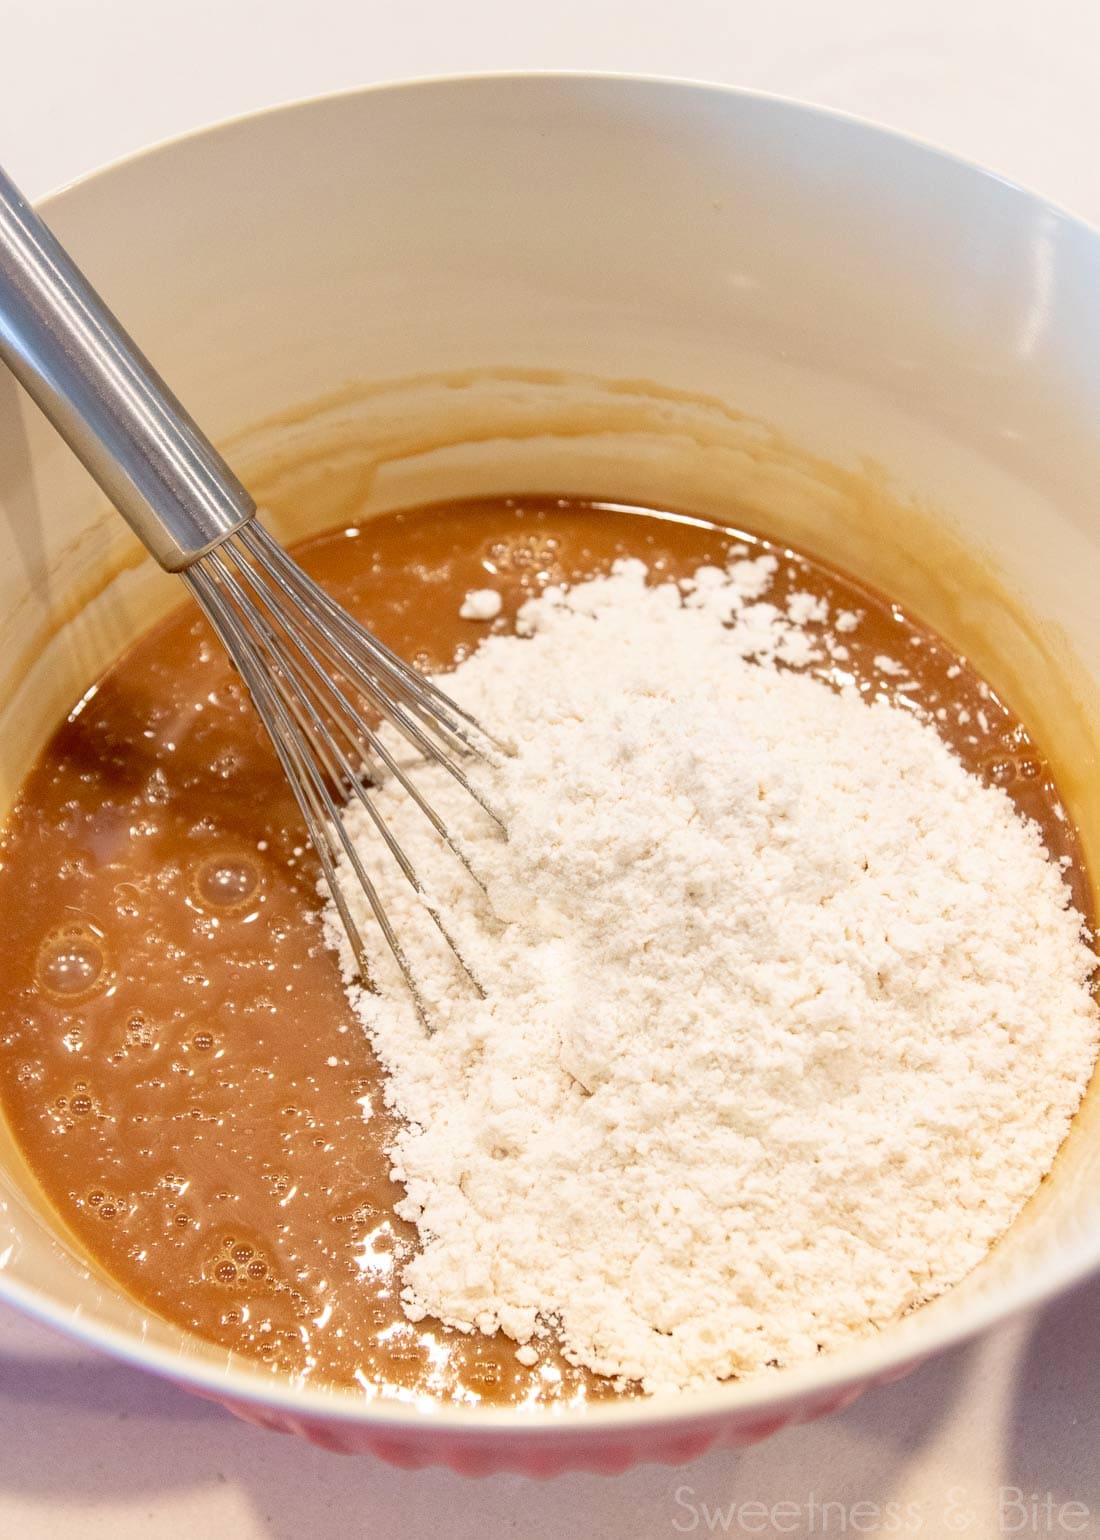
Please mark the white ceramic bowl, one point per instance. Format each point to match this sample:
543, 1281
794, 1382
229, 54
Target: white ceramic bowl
636, 288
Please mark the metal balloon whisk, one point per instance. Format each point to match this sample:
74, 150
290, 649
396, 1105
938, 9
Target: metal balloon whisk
321, 682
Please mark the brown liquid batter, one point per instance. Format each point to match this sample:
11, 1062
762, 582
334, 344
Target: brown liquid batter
179, 1062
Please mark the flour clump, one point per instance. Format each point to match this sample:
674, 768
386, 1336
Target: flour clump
786, 1014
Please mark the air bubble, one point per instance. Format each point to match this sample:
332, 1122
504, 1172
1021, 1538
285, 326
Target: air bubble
139, 1033
1000, 772
127, 898
524, 555
226, 764
156, 788
71, 962
245, 1266
228, 882
203, 1042
81, 1105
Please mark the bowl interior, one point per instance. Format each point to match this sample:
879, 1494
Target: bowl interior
649, 291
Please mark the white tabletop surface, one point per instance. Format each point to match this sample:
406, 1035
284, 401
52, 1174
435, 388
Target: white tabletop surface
1002, 1437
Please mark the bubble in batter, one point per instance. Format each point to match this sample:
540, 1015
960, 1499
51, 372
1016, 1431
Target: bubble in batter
227, 881
71, 962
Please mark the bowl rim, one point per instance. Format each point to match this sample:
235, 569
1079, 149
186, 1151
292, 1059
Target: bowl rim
819, 1380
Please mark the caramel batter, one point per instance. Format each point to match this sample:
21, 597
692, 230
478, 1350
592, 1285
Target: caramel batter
179, 1062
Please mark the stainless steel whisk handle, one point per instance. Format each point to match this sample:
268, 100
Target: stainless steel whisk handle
106, 400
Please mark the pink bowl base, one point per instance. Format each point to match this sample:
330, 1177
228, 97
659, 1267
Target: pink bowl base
545, 1452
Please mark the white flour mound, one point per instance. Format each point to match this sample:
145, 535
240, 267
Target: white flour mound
786, 1014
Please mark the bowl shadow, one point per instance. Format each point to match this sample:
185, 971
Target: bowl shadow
80, 1430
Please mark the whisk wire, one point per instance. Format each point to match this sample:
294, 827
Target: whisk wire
196, 518
341, 771
366, 654
346, 718
284, 738
368, 688
305, 710
318, 808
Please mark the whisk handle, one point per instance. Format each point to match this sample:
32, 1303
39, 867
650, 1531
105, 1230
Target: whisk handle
106, 400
